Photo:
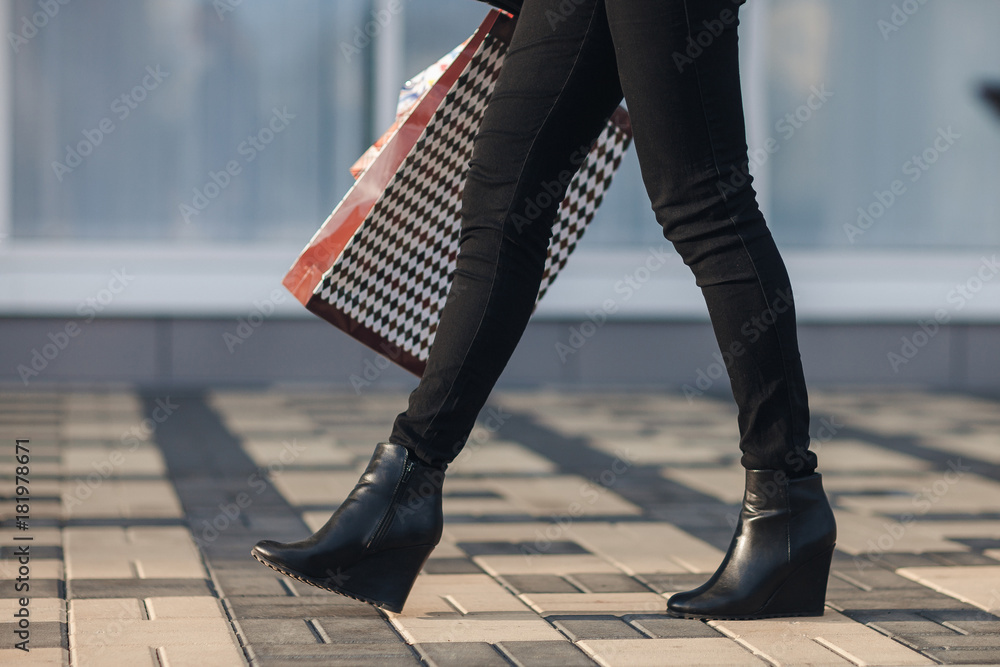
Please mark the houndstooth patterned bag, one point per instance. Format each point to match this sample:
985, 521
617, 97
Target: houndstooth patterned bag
379, 267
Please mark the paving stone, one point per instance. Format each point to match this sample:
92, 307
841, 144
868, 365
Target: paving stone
137, 588
238, 584
332, 606
164, 632
836, 583
277, 631
919, 626
539, 583
302, 589
544, 564
39, 552
877, 578
528, 532
114, 656
108, 608
460, 654
523, 626
41, 609
357, 630
970, 620
596, 603
196, 656
455, 605
657, 652
520, 548
43, 635
560, 495
966, 657
382, 651
914, 603
661, 626
544, 654
648, 546
672, 583
924, 642
353, 661
888, 595
145, 552
953, 558
500, 457
582, 627
40, 657
607, 582
976, 585
335, 661
869, 616
829, 639
46, 568
451, 566
43, 588
896, 560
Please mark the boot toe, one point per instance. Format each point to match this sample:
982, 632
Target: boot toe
683, 604
269, 550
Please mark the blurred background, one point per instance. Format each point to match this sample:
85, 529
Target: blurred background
163, 162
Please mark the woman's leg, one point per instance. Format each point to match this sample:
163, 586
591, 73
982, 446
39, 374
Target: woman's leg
558, 85
556, 88
687, 118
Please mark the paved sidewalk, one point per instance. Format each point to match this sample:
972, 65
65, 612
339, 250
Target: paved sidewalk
570, 518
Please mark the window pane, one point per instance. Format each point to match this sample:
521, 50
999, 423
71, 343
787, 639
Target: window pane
178, 120
174, 120
899, 80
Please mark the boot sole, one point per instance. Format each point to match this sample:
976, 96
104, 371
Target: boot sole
384, 579
788, 595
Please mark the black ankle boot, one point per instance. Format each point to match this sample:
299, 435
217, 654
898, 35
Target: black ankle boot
779, 559
374, 545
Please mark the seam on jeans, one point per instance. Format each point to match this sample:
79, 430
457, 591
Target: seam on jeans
739, 235
507, 213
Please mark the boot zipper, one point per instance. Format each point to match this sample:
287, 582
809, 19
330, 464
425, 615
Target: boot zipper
386, 521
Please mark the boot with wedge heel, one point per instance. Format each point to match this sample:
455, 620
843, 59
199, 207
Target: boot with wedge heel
375, 544
779, 559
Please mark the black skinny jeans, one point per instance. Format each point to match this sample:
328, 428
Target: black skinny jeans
567, 68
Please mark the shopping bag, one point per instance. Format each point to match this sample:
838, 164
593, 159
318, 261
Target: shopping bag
379, 267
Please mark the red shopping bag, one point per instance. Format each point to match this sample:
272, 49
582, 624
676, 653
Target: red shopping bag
379, 266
